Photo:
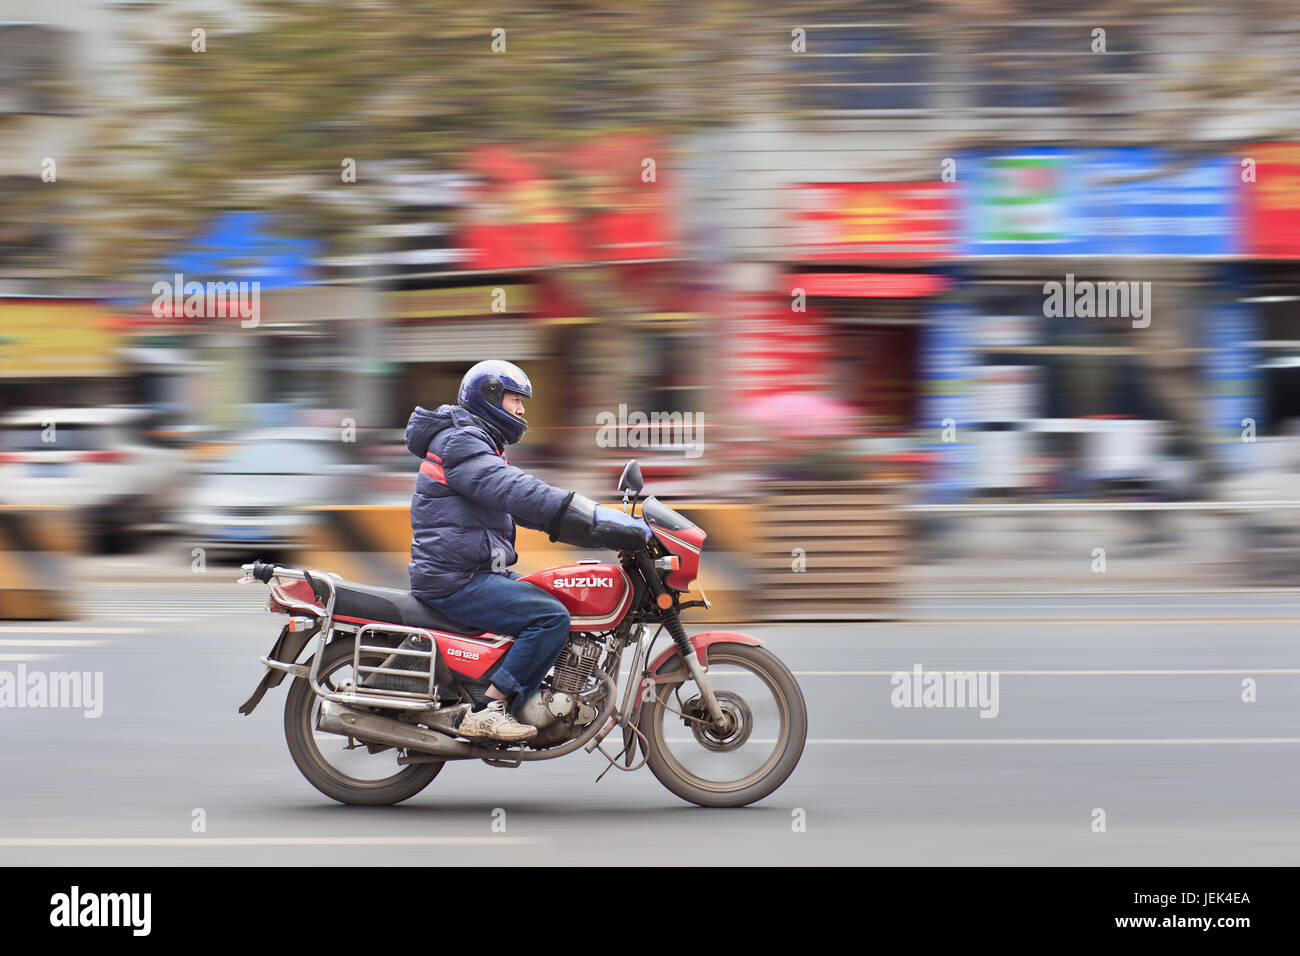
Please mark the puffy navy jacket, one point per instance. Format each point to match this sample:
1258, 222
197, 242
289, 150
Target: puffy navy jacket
465, 497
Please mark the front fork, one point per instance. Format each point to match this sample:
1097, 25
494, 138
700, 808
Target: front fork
624, 713
635, 676
706, 689
673, 624
693, 667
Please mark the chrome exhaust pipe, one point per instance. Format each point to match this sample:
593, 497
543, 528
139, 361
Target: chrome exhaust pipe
336, 718
339, 719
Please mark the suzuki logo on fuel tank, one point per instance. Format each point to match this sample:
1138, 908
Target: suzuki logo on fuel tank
589, 582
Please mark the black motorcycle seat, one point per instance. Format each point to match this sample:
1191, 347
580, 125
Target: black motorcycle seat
393, 606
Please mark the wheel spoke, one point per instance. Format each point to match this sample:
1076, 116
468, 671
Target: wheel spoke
356, 767
732, 757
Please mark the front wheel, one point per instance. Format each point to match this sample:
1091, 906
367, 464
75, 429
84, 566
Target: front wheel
751, 754
340, 767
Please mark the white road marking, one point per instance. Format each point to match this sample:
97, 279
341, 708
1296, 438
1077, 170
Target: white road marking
38, 630
147, 618
269, 841
1080, 621
949, 595
55, 642
175, 609
1068, 673
975, 605
1039, 741
1052, 673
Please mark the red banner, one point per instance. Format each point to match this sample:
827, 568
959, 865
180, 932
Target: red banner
871, 285
1271, 204
863, 221
773, 350
515, 219
602, 203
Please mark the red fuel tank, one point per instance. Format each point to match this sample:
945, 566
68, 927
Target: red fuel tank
596, 595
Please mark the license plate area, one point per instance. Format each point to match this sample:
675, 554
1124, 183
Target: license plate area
49, 470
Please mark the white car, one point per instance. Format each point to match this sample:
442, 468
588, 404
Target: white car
98, 462
257, 497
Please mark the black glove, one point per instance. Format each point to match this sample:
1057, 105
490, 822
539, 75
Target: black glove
584, 524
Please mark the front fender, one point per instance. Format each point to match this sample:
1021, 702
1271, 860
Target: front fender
664, 667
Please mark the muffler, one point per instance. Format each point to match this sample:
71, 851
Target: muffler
340, 719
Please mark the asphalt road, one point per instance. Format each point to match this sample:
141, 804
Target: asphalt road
1132, 705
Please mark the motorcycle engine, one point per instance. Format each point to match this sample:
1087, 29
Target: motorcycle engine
556, 700
576, 662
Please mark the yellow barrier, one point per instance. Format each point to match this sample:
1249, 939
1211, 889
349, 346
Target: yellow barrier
371, 544
34, 582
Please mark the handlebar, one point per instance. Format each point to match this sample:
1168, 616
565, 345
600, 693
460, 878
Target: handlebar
264, 572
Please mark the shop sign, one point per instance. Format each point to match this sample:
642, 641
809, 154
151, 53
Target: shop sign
53, 338
865, 221
946, 402
557, 206
1114, 201
1271, 203
886, 285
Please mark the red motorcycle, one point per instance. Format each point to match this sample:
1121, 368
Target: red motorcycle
372, 713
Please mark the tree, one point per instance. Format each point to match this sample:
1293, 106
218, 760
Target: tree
286, 90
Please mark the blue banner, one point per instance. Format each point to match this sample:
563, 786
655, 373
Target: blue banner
1114, 201
1234, 407
946, 417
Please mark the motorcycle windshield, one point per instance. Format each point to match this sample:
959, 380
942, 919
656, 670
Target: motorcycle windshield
657, 513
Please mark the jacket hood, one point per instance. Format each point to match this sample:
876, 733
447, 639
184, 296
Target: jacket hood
424, 425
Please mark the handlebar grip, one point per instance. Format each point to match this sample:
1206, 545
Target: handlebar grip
263, 572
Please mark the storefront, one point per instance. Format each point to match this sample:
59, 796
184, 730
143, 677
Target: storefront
1264, 381
611, 317
432, 335
1093, 286
863, 284
57, 352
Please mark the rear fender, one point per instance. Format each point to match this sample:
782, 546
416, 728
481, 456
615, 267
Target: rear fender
286, 650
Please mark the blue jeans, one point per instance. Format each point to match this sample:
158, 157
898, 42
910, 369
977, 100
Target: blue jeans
503, 604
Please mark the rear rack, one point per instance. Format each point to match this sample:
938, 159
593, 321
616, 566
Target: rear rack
363, 697
416, 634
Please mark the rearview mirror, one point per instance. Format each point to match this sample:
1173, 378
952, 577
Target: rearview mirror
630, 480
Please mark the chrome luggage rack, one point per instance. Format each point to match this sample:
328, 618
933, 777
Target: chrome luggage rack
426, 676
358, 696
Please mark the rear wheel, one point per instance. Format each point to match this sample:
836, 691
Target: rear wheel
751, 754
342, 768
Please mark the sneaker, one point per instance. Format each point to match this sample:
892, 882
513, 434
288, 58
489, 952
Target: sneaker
496, 722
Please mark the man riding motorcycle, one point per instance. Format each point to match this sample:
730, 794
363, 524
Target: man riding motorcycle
467, 500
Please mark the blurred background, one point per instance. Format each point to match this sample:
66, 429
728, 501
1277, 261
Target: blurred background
797, 262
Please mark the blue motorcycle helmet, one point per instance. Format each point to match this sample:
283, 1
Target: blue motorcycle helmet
482, 390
